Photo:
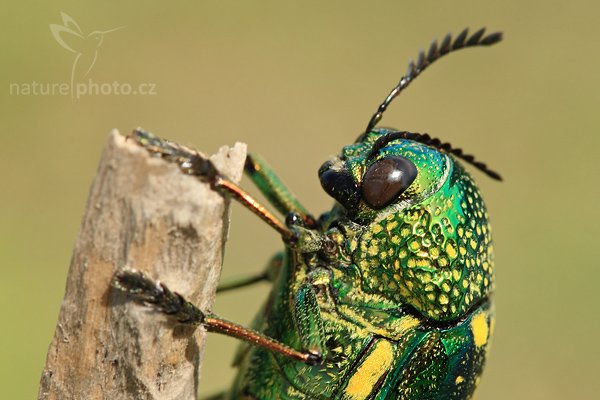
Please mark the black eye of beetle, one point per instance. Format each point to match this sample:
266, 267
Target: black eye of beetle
340, 185
386, 179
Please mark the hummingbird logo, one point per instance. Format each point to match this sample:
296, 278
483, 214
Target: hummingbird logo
85, 47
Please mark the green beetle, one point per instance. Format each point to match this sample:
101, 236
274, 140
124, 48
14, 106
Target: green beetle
386, 296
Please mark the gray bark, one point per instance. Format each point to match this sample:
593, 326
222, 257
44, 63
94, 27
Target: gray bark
142, 213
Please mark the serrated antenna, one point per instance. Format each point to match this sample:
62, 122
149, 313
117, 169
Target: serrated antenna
423, 61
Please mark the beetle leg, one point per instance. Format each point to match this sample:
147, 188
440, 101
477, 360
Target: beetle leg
241, 281
307, 317
269, 274
143, 289
193, 163
274, 189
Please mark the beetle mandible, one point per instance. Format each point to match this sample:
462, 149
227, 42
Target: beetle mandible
385, 296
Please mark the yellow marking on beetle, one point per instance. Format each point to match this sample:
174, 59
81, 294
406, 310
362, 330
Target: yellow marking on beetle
459, 379
443, 299
480, 329
377, 228
391, 225
404, 324
451, 250
373, 250
372, 368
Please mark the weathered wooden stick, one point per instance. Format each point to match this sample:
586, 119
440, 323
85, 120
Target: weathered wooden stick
143, 213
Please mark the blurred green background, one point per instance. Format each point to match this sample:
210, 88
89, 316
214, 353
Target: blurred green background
296, 82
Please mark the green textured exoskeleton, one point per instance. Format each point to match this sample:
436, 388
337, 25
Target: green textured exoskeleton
386, 296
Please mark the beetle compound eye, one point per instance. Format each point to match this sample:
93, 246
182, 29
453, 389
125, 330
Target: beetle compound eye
386, 179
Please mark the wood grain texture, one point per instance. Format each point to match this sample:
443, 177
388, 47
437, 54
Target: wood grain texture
143, 213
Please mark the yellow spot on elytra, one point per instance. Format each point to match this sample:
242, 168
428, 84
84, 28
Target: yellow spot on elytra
373, 250
377, 228
480, 329
459, 379
368, 373
396, 239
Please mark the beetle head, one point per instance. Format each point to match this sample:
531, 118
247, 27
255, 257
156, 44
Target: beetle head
426, 241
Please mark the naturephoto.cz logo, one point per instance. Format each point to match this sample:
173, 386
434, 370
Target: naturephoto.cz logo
85, 49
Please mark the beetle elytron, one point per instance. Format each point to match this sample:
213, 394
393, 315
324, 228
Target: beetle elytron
386, 296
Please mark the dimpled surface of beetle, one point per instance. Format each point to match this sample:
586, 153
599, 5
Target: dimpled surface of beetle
386, 296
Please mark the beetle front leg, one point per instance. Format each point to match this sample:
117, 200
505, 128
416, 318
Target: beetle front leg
271, 186
192, 163
143, 289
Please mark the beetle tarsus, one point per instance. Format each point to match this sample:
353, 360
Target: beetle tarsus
154, 293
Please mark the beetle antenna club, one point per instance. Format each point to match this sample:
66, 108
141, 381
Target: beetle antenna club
423, 61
